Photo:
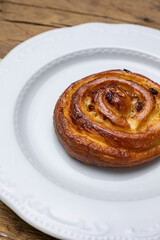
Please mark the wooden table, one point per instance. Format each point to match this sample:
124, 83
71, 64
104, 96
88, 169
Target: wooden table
22, 19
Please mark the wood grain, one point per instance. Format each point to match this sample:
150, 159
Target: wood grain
22, 19
141, 12
13, 228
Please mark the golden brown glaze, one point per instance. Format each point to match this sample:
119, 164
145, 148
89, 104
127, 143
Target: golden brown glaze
110, 119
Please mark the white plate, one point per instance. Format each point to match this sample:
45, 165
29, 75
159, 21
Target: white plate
38, 180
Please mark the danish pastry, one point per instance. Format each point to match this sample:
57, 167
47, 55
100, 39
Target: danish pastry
110, 119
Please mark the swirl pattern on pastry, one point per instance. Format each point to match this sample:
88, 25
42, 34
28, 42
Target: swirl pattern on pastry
110, 119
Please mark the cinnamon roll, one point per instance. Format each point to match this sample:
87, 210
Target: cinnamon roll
110, 119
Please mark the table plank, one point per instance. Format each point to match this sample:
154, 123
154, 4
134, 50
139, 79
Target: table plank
139, 12
11, 34
16, 26
14, 228
48, 16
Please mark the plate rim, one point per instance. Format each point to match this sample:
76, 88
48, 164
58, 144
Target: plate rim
9, 198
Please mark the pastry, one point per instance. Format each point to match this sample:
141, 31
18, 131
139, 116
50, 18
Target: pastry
110, 119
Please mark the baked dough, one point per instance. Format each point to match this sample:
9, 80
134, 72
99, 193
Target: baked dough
110, 119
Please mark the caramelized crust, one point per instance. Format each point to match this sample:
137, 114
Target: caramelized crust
110, 119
